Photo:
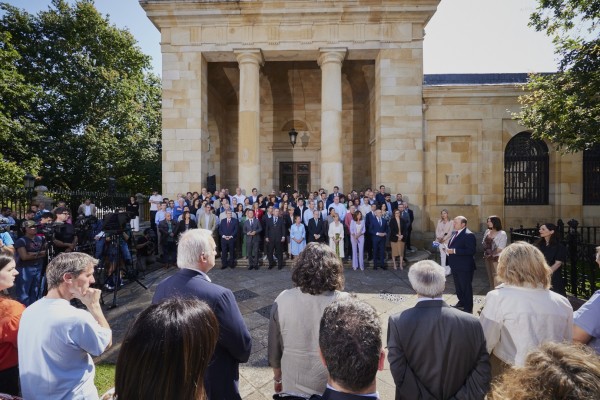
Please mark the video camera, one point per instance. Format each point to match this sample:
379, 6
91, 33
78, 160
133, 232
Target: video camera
49, 230
116, 222
5, 226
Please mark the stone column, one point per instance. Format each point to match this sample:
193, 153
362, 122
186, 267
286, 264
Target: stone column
250, 61
330, 62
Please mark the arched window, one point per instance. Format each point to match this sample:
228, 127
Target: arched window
526, 174
591, 176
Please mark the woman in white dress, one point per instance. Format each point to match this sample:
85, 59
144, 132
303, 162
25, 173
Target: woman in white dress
336, 236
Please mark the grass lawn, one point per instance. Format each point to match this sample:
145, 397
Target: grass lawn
105, 377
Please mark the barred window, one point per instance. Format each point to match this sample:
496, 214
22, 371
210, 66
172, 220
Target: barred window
526, 166
591, 176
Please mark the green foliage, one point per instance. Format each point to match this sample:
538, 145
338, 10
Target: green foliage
96, 112
565, 107
105, 377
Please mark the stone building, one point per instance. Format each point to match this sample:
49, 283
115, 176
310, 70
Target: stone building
347, 76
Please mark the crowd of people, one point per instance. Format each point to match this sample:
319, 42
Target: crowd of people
323, 343
278, 226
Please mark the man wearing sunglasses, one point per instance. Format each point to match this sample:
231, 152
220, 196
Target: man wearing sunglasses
65, 239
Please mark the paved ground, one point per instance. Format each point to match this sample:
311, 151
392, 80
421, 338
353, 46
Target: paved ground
388, 291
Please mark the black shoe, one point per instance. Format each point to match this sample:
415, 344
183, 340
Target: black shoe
375, 268
249, 268
458, 307
271, 266
384, 268
280, 267
233, 266
224, 266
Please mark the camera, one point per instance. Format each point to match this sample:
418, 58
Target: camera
5, 225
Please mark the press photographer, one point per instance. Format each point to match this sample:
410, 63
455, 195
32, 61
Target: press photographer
6, 241
65, 238
111, 243
31, 249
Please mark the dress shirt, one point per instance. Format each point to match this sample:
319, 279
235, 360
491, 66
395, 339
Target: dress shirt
340, 209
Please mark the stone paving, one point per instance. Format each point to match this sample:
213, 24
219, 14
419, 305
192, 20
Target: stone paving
388, 291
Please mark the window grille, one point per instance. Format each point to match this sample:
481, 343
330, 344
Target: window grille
526, 167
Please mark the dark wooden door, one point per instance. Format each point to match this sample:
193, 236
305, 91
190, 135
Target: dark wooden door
294, 176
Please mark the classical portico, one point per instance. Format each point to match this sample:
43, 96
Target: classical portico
347, 75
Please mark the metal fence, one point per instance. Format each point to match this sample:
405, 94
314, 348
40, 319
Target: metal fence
581, 273
19, 200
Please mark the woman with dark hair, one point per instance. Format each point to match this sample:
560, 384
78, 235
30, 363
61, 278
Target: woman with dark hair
186, 223
10, 315
166, 352
293, 346
555, 254
494, 241
196, 205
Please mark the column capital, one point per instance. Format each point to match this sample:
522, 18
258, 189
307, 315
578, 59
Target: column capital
253, 56
333, 54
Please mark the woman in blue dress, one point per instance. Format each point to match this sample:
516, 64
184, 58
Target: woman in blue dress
297, 236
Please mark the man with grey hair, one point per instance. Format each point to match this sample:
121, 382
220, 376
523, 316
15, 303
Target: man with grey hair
56, 341
195, 257
436, 351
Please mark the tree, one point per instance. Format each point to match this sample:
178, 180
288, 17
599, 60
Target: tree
564, 108
15, 97
97, 110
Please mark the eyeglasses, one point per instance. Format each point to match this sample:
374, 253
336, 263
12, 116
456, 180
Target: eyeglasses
66, 213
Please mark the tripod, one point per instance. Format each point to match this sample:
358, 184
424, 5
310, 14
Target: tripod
114, 252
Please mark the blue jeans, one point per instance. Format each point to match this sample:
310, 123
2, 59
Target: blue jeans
27, 284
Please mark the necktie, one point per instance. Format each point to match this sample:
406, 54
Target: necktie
452, 238
379, 220
228, 221
274, 220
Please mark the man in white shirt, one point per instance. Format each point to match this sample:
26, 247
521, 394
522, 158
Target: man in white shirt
56, 341
239, 197
155, 201
339, 208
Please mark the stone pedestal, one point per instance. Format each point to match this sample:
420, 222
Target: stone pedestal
250, 61
330, 62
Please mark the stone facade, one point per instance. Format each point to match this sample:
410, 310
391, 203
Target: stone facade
348, 76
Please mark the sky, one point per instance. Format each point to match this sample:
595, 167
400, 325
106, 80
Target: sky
464, 36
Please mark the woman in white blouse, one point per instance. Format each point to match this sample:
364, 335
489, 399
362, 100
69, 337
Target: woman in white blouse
336, 236
494, 240
443, 232
522, 313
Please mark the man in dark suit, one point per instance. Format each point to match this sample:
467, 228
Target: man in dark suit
252, 230
300, 209
275, 234
351, 349
228, 229
398, 201
315, 229
378, 232
195, 257
408, 216
436, 351
380, 196
461, 249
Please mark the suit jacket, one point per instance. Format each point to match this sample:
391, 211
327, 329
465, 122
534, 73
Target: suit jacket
394, 205
437, 352
300, 211
465, 245
315, 229
230, 229
163, 227
212, 222
330, 200
274, 232
256, 227
331, 394
181, 226
234, 344
394, 230
375, 227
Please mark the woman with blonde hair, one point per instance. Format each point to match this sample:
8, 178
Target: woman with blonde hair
522, 313
443, 232
553, 371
